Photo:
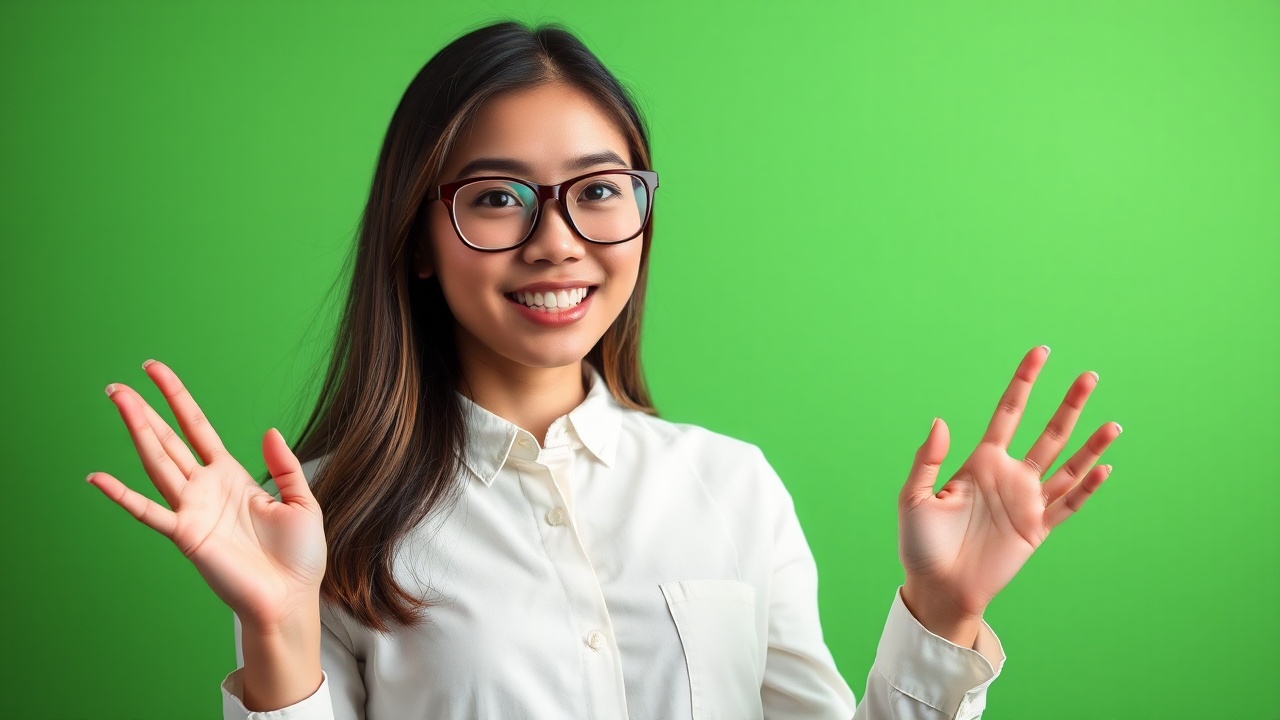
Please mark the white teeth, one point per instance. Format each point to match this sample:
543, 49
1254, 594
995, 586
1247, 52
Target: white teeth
559, 300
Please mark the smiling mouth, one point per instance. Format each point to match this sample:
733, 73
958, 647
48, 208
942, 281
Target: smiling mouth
552, 301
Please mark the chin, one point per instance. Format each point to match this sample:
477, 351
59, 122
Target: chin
550, 355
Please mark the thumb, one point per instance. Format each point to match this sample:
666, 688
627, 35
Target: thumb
924, 471
285, 470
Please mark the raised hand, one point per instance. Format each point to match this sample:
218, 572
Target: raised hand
962, 545
264, 558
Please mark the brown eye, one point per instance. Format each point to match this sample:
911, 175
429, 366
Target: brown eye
496, 199
598, 191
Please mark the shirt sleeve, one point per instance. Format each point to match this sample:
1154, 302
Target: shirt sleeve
341, 695
916, 675
920, 675
800, 675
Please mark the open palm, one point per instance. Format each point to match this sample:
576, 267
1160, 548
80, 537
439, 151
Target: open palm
264, 558
962, 545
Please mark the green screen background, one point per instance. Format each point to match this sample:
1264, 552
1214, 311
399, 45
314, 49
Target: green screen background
868, 213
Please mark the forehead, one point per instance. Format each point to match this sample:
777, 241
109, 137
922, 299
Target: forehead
548, 128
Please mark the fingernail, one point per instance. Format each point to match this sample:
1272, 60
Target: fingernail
1121, 429
111, 389
1046, 349
145, 364
86, 477
1095, 375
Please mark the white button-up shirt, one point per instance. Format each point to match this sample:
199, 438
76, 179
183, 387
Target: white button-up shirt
629, 567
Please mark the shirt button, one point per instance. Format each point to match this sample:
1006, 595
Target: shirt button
523, 442
595, 639
555, 516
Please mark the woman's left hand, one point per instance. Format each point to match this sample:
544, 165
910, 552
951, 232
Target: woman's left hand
962, 545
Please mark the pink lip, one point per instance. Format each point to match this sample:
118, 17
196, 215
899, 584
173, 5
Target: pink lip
559, 318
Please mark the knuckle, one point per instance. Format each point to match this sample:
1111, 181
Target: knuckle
198, 418
139, 511
160, 457
1076, 499
1097, 444
1074, 400
1072, 471
1056, 432
117, 495
168, 437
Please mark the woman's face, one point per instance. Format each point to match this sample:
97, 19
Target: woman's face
541, 135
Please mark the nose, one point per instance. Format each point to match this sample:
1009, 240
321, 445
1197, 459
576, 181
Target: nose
553, 239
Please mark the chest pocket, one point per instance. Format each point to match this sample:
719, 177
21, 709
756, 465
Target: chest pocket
716, 621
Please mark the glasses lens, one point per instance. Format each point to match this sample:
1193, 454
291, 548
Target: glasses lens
497, 214
608, 208
494, 214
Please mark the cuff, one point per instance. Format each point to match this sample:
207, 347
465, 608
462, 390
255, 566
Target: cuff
932, 669
315, 707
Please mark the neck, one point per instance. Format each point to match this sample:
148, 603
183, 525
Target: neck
528, 397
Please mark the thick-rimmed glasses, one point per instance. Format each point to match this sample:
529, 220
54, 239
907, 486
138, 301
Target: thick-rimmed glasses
495, 213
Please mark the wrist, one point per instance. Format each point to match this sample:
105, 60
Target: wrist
291, 625
281, 660
938, 614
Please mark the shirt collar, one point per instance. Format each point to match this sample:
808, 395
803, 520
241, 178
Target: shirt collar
597, 422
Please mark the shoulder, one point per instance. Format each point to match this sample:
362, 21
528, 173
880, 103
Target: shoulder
722, 462
693, 438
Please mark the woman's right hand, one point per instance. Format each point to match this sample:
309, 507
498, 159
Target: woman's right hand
264, 558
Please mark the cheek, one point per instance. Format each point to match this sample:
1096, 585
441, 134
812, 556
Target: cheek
447, 255
624, 268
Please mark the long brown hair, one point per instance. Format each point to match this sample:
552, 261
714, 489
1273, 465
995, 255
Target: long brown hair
388, 420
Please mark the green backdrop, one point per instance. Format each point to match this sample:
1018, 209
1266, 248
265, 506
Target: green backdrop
868, 213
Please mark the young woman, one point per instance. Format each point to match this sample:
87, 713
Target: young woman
508, 528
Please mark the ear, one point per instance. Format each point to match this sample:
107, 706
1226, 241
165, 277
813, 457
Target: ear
422, 264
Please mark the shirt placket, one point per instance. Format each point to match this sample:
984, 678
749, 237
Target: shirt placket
546, 477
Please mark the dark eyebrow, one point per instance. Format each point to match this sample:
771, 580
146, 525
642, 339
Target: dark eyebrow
523, 169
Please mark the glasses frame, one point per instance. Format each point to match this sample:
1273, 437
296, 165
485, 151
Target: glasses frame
447, 193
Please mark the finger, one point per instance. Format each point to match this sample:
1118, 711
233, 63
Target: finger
1050, 443
165, 475
1009, 412
1074, 469
146, 510
194, 424
1071, 501
286, 470
177, 449
928, 461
